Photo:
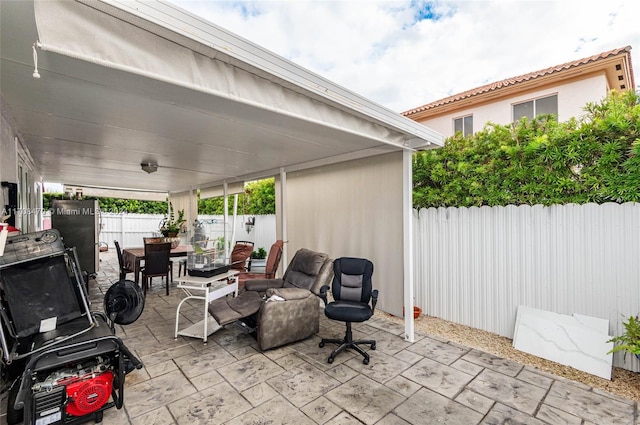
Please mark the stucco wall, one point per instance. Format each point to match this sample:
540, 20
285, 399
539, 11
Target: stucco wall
352, 209
572, 97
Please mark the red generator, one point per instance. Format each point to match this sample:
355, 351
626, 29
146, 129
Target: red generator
61, 362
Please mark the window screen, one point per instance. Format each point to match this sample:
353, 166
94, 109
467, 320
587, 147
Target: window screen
547, 105
463, 125
468, 125
533, 108
523, 110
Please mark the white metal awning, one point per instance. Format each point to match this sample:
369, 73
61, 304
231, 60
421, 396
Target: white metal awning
127, 82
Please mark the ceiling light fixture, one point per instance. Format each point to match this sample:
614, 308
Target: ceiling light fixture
149, 167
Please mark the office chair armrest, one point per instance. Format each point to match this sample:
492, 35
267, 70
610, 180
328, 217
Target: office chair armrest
323, 293
374, 299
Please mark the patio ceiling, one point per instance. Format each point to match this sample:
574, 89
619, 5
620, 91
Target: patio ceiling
98, 111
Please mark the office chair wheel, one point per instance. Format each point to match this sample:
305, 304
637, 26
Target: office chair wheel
373, 346
365, 361
330, 359
321, 345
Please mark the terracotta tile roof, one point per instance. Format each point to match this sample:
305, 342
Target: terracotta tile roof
522, 78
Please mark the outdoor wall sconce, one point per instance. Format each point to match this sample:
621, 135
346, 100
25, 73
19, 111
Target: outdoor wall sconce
248, 225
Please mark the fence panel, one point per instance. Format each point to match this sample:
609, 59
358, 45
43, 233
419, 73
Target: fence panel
475, 266
129, 229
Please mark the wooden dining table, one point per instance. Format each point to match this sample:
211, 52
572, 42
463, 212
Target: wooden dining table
131, 257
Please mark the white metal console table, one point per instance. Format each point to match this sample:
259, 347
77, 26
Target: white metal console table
206, 289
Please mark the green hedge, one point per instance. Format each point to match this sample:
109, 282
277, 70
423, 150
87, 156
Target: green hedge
113, 205
540, 161
258, 198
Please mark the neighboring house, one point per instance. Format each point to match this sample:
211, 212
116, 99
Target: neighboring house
562, 90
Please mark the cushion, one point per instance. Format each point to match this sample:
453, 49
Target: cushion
347, 311
289, 293
239, 255
308, 262
246, 303
304, 268
227, 310
296, 279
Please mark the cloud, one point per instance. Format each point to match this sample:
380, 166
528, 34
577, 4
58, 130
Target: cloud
403, 54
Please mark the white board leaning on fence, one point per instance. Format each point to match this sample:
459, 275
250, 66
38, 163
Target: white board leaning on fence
577, 341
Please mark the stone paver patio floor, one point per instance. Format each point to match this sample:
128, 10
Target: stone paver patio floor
430, 381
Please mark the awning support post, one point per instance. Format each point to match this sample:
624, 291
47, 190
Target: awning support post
225, 190
283, 213
407, 231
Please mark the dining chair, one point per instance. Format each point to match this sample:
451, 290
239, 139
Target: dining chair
156, 263
157, 239
273, 261
240, 255
124, 270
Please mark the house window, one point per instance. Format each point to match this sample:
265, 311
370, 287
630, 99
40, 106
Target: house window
463, 125
533, 108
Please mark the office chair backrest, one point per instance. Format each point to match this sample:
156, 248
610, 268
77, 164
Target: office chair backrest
352, 279
156, 257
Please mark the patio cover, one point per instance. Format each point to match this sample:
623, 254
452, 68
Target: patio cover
129, 82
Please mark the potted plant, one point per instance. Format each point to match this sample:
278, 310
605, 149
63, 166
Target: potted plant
260, 254
170, 226
629, 341
258, 258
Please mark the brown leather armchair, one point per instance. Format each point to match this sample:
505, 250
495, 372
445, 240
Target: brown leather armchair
283, 310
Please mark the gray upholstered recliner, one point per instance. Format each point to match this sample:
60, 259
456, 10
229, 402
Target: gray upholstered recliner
281, 310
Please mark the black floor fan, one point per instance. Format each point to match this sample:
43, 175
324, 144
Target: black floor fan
124, 302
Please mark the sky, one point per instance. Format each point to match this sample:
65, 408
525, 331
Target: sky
404, 54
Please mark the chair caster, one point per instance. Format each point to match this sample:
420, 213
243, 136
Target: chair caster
365, 361
373, 346
330, 360
321, 345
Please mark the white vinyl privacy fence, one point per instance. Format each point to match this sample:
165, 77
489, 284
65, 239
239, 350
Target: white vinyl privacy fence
475, 266
129, 229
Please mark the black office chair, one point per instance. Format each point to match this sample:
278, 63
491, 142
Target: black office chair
352, 290
123, 269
